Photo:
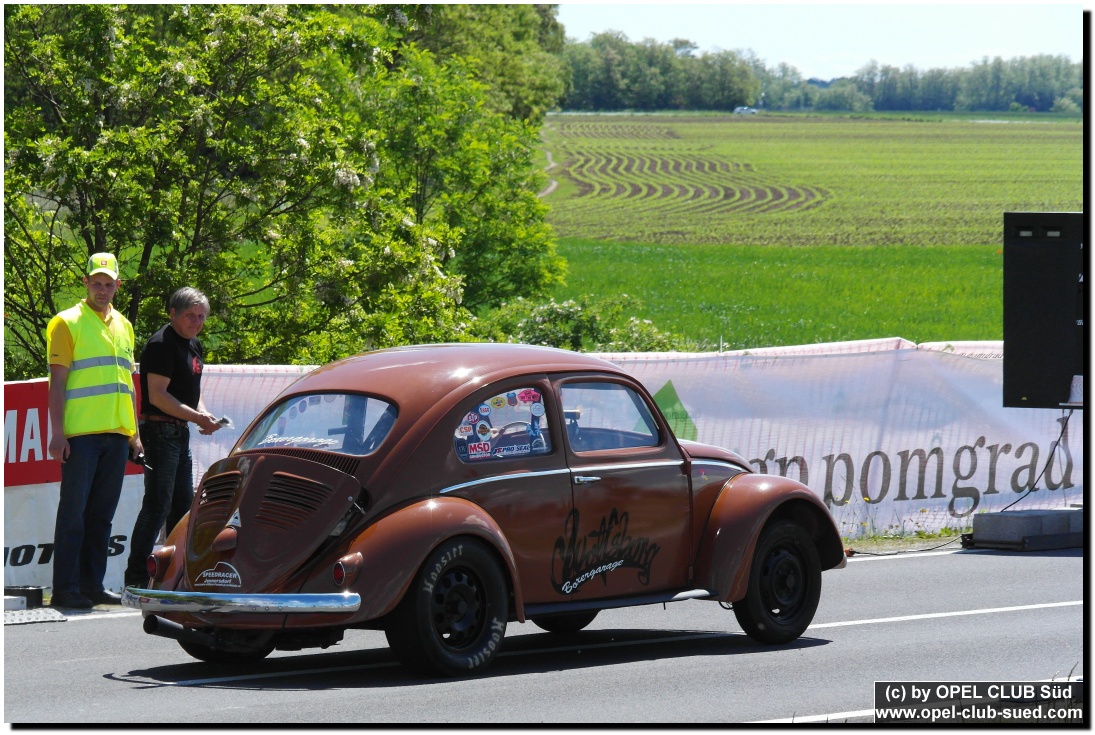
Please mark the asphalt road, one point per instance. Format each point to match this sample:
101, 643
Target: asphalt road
973, 615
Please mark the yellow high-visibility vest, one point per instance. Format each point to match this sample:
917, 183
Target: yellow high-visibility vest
99, 389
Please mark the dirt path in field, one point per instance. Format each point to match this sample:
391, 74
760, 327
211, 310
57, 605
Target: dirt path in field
552, 184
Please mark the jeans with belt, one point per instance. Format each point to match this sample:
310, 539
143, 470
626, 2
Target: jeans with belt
168, 491
91, 484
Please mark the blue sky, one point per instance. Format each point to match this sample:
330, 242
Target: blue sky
830, 40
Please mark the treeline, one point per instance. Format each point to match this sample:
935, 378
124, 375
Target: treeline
609, 72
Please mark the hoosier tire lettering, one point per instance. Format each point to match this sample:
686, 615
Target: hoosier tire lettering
452, 553
498, 629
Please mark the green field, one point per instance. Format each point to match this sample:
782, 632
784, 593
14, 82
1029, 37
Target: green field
902, 219
746, 297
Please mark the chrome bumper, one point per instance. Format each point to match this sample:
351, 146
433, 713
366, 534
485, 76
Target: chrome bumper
219, 602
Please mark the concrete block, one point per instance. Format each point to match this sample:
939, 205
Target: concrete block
1029, 530
14, 603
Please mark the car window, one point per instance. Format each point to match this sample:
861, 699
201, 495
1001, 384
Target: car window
510, 424
606, 416
335, 422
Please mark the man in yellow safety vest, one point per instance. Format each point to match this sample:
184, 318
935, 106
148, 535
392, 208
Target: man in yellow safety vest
92, 415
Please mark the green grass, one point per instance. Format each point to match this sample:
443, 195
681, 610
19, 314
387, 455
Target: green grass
794, 229
808, 180
745, 297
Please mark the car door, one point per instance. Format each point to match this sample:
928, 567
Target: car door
506, 456
627, 533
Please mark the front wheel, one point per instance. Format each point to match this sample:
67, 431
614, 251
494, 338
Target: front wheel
784, 585
453, 618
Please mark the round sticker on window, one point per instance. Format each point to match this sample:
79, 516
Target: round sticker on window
484, 410
498, 402
537, 409
483, 430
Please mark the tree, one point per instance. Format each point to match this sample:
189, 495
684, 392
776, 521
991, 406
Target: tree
984, 87
198, 145
843, 96
467, 171
590, 324
516, 51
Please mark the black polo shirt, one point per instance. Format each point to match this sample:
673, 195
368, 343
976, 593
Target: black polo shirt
180, 360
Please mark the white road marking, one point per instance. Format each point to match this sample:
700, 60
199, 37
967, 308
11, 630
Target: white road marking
956, 613
645, 642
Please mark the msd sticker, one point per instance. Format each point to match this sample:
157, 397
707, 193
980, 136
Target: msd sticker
478, 450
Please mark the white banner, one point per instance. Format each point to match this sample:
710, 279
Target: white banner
29, 514
894, 437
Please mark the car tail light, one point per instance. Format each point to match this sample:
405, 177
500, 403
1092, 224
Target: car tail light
158, 562
346, 569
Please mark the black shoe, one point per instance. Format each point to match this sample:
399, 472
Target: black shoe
71, 600
105, 597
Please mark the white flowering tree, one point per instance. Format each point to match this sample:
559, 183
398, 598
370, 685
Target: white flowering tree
209, 145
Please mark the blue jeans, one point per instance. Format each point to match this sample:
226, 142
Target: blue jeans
168, 491
91, 484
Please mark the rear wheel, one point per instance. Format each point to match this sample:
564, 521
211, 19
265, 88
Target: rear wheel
784, 585
453, 618
565, 622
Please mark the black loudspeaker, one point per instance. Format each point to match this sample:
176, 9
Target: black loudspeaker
1045, 303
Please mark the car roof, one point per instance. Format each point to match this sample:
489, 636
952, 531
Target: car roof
423, 374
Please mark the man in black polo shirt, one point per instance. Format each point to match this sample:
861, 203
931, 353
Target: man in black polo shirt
171, 374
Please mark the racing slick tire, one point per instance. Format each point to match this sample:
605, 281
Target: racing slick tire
452, 620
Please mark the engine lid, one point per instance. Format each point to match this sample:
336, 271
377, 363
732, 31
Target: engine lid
257, 517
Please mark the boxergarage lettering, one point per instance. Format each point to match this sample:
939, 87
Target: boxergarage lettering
575, 560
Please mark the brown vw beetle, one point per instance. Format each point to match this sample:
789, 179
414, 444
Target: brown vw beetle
440, 492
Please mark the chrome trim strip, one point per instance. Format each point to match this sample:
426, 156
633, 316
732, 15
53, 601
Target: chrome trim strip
629, 466
720, 463
220, 602
499, 478
567, 470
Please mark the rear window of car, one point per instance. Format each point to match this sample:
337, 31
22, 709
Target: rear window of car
349, 423
506, 425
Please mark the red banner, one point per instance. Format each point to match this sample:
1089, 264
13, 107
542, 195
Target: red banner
26, 435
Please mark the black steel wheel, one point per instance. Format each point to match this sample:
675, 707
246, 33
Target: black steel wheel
453, 618
565, 622
784, 585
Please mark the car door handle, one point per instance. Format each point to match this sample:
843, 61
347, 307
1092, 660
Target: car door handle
585, 479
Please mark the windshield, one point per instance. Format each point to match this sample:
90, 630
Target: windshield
334, 422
